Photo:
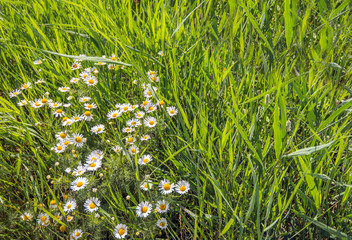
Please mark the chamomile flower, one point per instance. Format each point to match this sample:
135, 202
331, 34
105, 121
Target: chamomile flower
130, 139
68, 170
166, 187
36, 104
26, 86
77, 233
59, 148
69, 98
151, 73
91, 81
111, 66
53, 204
70, 206
14, 93
79, 171
62, 136
120, 231
150, 107
55, 104
92, 204
78, 139
87, 115
39, 81
146, 185
161, 103
139, 114
117, 149
145, 102
134, 107
113, 57
22, 103
59, 113
114, 114
99, 153
84, 99
121, 66
125, 107
143, 209
162, 206
145, 137
134, 82
95, 70
75, 66
69, 218
134, 122
58, 216
182, 187
64, 89
26, 216
160, 53
145, 159
79, 184
43, 218
98, 129
162, 223
46, 101
67, 122
172, 111
93, 166
77, 118
74, 80
89, 106
133, 150
148, 93
37, 62
94, 157
154, 78
84, 75
100, 63
150, 122
128, 130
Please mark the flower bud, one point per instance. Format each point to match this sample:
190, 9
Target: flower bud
288, 126
128, 197
267, 99
48, 177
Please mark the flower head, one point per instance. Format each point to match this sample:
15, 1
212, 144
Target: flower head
166, 187
120, 231
143, 209
79, 184
92, 204
182, 187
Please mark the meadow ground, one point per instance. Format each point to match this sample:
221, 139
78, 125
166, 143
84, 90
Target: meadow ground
175, 119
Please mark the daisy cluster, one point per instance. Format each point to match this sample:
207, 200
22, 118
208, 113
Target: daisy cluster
139, 119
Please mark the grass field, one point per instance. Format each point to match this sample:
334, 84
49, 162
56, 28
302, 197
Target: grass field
260, 131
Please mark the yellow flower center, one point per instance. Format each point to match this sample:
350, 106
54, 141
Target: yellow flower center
78, 139
121, 231
67, 143
62, 135
59, 111
133, 150
79, 184
76, 118
85, 75
151, 122
44, 100
128, 129
59, 148
172, 111
139, 115
92, 205
182, 188
69, 218
144, 209
90, 81
65, 196
64, 89
37, 104
154, 79
145, 185
85, 100
79, 172
93, 159
89, 106
152, 73
87, 113
162, 207
58, 216
134, 107
39, 62
43, 218
145, 103
167, 186
40, 205
64, 119
25, 86
99, 129
26, 217
130, 140
149, 93
78, 234
146, 160
92, 164
125, 108
161, 102
150, 108
62, 228
69, 206
114, 115
113, 58
162, 224
55, 105
133, 123
145, 137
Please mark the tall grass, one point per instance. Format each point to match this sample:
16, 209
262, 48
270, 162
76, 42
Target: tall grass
263, 90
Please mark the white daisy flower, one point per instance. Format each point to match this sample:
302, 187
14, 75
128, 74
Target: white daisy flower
68, 170
114, 114
100, 63
85, 75
139, 114
151, 73
26, 86
79, 184
166, 187
161, 53
154, 78
134, 82
128, 130
145, 138
78, 139
162, 206
77, 233
148, 93
99, 153
22, 103
46, 223
144, 209
74, 80
89, 106
37, 62
93, 157
120, 231
91, 81
150, 107
134, 107
84, 99
161, 103
36, 104
26, 216
87, 115
64, 89
62, 136
70, 206
75, 66
14, 93
95, 70
77, 118
98, 129
79, 171
117, 149
113, 57
111, 66
130, 140
182, 187
162, 223
39, 81
145, 159
126, 107
46, 101
172, 111
43, 218
146, 185
58, 113
69, 98
59, 148
69, 218
150, 122
55, 104
134, 122
93, 166
92, 204
53, 204
145, 102
67, 122
133, 150
121, 66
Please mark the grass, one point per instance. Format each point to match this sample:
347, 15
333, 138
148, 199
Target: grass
237, 71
